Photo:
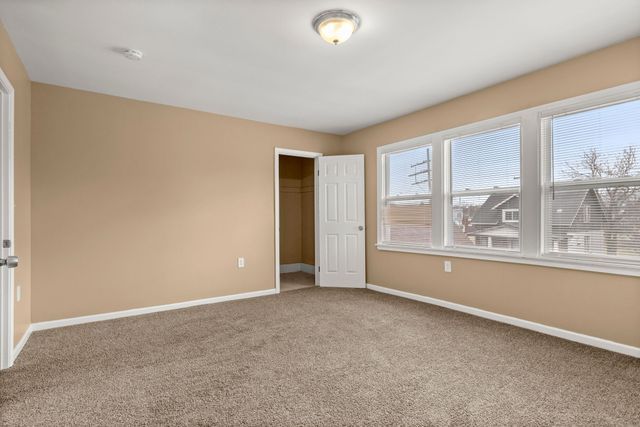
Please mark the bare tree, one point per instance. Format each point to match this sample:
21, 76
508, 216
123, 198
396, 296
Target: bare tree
617, 201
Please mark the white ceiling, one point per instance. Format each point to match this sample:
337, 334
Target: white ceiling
261, 60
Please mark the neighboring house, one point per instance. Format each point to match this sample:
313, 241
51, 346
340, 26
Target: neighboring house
579, 222
410, 223
496, 223
577, 216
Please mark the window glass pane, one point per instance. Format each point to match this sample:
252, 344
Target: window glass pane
594, 147
407, 222
599, 221
479, 221
409, 172
486, 160
598, 143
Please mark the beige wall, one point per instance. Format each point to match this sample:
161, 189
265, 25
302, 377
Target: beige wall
290, 210
308, 214
137, 204
12, 67
601, 305
297, 232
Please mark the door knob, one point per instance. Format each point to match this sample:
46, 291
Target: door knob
10, 261
360, 227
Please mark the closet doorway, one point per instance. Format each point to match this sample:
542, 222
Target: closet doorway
296, 209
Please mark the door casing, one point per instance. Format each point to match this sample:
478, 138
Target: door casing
6, 220
294, 153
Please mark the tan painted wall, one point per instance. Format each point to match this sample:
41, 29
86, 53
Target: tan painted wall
290, 210
297, 232
308, 214
12, 67
137, 204
601, 305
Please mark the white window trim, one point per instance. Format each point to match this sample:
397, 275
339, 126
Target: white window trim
504, 216
383, 178
476, 128
587, 214
533, 176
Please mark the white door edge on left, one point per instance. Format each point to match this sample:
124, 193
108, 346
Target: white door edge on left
6, 221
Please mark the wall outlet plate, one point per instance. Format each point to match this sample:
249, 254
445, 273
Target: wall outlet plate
447, 266
240, 262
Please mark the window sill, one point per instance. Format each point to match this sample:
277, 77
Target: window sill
518, 258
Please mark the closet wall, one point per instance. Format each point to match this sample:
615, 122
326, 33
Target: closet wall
297, 239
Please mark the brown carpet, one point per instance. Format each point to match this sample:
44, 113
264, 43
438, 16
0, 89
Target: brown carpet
315, 357
296, 280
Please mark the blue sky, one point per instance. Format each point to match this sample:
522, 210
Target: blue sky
609, 130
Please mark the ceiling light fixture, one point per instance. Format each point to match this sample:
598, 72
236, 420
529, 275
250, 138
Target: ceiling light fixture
335, 26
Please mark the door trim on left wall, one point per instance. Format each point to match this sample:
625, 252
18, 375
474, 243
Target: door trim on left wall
276, 189
6, 192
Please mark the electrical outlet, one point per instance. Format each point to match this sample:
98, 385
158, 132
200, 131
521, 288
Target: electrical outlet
240, 262
18, 293
447, 266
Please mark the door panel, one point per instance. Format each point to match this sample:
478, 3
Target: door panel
331, 190
341, 228
332, 252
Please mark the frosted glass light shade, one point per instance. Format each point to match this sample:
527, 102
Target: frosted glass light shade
336, 26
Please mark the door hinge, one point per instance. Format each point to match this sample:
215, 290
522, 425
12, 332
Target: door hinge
318, 269
6, 244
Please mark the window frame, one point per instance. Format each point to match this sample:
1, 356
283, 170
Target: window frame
547, 176
383, 179
534, 175
448, 193
504, 217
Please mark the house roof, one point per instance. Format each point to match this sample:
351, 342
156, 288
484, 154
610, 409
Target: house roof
487, 214
565, 206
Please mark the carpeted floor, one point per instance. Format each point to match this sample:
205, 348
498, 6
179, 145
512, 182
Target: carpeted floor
297, 280
315, 357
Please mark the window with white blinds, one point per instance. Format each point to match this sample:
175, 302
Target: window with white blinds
592, 183
555, 185
406, 215
484, 203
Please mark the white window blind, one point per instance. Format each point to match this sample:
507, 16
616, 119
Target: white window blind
406, 201
592, 184
484, 200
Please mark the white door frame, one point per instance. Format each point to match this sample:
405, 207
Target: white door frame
276, 186
6, 219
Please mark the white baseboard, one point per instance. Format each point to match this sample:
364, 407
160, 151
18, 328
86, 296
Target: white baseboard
298, 266
145, 310
344, 286
526, 324
307, 268
18, 347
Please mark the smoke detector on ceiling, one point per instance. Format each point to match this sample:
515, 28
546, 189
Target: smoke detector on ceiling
132, 54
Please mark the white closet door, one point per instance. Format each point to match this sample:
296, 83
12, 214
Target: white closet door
341, 221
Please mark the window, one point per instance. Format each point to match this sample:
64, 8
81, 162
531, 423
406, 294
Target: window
485, 189
510, 215
406, 205
592, 190
556, 185
587, 213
